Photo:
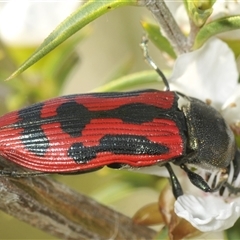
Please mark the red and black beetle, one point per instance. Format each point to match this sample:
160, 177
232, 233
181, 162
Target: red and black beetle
141, 128
85, 132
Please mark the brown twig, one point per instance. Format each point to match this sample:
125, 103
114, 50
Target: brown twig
168, 24
58, 210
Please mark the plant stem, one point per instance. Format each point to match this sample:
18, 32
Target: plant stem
56, 209
61, 212
168, 25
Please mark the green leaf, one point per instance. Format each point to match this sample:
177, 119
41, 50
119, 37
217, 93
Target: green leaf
77, 20
158, 39
215, 27
234, 45
131, 80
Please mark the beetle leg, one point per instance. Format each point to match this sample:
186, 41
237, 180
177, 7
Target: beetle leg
176, 187
235, 167
232, 189
199, 182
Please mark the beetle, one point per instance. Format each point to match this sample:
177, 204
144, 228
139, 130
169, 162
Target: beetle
85, 132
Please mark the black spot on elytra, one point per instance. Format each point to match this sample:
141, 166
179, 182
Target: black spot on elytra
136, 113
73, 118
131, 144
32, 136
82, 154
116, 144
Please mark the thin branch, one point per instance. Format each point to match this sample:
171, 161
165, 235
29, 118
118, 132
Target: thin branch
64, 213
193, 32
168, 24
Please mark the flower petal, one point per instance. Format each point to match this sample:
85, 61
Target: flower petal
231, 108
208, 214
225, 8
207, 73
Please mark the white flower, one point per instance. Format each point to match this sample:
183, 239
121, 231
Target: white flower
210, 74
225, 8
209, 213
230, 109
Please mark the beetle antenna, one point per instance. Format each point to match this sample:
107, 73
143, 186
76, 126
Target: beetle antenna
144, 47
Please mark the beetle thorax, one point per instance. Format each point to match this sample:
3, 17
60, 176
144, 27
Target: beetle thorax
211, 143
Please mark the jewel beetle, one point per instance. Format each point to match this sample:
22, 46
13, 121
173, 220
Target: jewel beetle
85, 132
140, 128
